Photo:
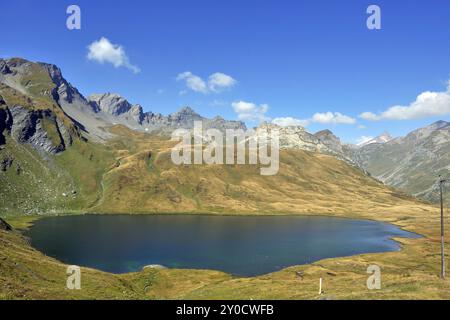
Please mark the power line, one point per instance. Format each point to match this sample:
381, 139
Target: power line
441, 184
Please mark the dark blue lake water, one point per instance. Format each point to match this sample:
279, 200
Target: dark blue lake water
244, 246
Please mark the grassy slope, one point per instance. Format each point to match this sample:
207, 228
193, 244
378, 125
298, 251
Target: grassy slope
37, 188
45, 185
144, 180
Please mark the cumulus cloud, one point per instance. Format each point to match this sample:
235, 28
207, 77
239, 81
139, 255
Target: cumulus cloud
427, 104
322, 118
369, 116
103, 51
332, 118
250, 111
289, 121
217, 82
193, 82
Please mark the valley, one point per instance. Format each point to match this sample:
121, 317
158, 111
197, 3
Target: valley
64, 154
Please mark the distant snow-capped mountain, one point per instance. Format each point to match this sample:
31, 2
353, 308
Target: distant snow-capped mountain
382, 138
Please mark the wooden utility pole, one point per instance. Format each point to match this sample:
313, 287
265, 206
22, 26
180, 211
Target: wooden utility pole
441, 184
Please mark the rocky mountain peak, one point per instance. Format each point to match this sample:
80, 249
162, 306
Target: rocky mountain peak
325, 132
186, 112
384, 137
184, 115
330, 140
441, 124
111, 103
325, 135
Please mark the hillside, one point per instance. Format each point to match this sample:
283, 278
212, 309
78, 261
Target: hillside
411, 163
145, 180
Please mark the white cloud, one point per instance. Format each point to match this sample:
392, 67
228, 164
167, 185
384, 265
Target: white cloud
333, 118
103, 51
250, 111
362, 140
427, 104
217, 82
322, 118
289, 121
193, 82
369, 116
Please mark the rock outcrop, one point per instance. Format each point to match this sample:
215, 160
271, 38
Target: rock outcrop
40, 128
330, 140
5, 124
4, 225
296, 137
6, 162
117, 106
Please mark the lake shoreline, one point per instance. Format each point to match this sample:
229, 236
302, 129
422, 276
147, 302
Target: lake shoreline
393, 238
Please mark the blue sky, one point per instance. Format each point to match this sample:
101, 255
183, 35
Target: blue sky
267, 59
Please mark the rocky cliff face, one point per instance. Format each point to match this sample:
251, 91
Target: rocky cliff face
116, 106
294, 137
40, 128
297, 138
29, 110
5, 124
330, 140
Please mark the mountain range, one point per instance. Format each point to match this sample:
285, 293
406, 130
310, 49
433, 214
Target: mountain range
411, 163
62, 151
